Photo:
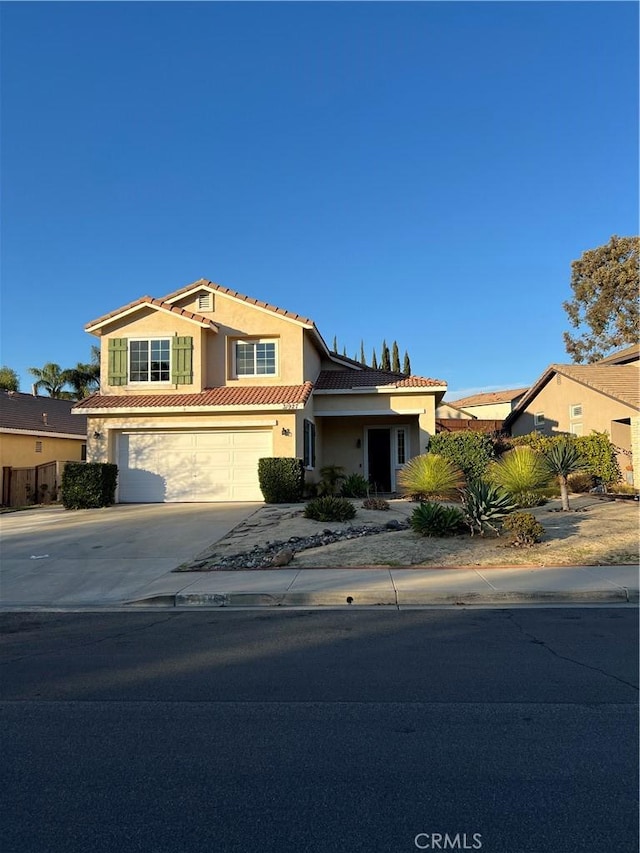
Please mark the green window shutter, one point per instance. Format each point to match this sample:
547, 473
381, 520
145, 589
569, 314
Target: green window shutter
182, 361
117, 361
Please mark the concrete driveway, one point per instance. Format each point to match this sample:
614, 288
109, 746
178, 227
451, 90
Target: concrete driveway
51, 556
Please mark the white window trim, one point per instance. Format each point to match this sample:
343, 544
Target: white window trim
538, 419
313, 443
572, 413
237, 341
142, 383
574, 427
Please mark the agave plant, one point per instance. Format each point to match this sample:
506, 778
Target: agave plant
431, 476
484, 506
520, 472
562, 459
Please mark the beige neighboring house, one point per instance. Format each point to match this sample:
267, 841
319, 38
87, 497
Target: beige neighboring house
446, 411
491, 405
36, 430
580, 398
199, 385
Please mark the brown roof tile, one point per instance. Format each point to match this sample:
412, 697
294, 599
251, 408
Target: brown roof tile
620, 381
622, 356
240, 395
339, 380
157, 303
234, 293
27, 412
489, 397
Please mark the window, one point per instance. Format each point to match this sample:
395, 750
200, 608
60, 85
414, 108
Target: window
150, 361
255, 358
38, 447
83, 452
401, 447
538, 419
309, 444
576, 429
575, 411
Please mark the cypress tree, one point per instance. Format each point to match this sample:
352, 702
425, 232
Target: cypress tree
374, 360
334, 348
395, 358
406, 368
344, 351
385, 361
363, 358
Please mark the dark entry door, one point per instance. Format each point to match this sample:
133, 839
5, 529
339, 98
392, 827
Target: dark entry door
379, 458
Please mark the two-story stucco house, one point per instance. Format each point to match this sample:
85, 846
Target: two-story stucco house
200, 384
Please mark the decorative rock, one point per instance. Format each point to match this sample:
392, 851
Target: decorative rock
282, 558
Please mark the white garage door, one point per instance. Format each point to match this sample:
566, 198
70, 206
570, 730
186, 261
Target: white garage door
157, 467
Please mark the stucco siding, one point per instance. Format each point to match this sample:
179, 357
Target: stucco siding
19, 451
555, 400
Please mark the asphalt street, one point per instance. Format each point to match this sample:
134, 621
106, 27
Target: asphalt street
501, 730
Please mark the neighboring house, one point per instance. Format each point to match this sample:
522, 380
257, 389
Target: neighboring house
580, 398
448, 412
491, 405
36, 430
199, 385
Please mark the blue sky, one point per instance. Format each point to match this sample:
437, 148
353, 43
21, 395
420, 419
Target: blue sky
424, 172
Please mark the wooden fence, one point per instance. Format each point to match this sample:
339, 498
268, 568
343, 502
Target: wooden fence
38, 485
475, 425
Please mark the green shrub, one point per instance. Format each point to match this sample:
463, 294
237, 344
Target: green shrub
470, 451
375, 503
484, 506
519, 470
331, 476
329, 508
354, 486
281, 479
431, 476
434, 519
580, 481
528, 499
524, 528
88, 485
600, 458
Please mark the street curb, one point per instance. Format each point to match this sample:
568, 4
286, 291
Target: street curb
404, 598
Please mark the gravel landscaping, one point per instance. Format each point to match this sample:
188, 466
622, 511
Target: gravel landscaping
595, 532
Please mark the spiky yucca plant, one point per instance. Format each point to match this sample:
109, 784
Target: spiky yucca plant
484, 506
431, 476
519, 472
562, 459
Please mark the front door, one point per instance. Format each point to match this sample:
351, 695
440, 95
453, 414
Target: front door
379, 458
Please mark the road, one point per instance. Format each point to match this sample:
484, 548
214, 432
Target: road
508, 731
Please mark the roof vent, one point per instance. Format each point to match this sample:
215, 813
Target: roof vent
205, 302
45, 420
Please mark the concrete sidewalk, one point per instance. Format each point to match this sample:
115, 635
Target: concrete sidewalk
394, 587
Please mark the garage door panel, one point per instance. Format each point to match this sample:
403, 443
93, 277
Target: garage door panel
200, 466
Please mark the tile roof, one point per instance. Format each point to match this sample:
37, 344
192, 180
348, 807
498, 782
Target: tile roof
339, 380
627, 354
234, 293
240, 395
489, 397
26, 412
153, 303
619, 381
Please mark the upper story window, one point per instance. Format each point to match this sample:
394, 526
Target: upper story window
150, 360
538, 419
255, 358
575, 411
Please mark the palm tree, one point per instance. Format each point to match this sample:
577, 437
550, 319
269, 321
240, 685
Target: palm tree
85, 378
52, 379
562, 459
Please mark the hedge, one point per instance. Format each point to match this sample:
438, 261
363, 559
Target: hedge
281, 479
596, 449
471, 451
87, 485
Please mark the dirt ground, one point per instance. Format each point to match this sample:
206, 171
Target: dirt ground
595, 532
